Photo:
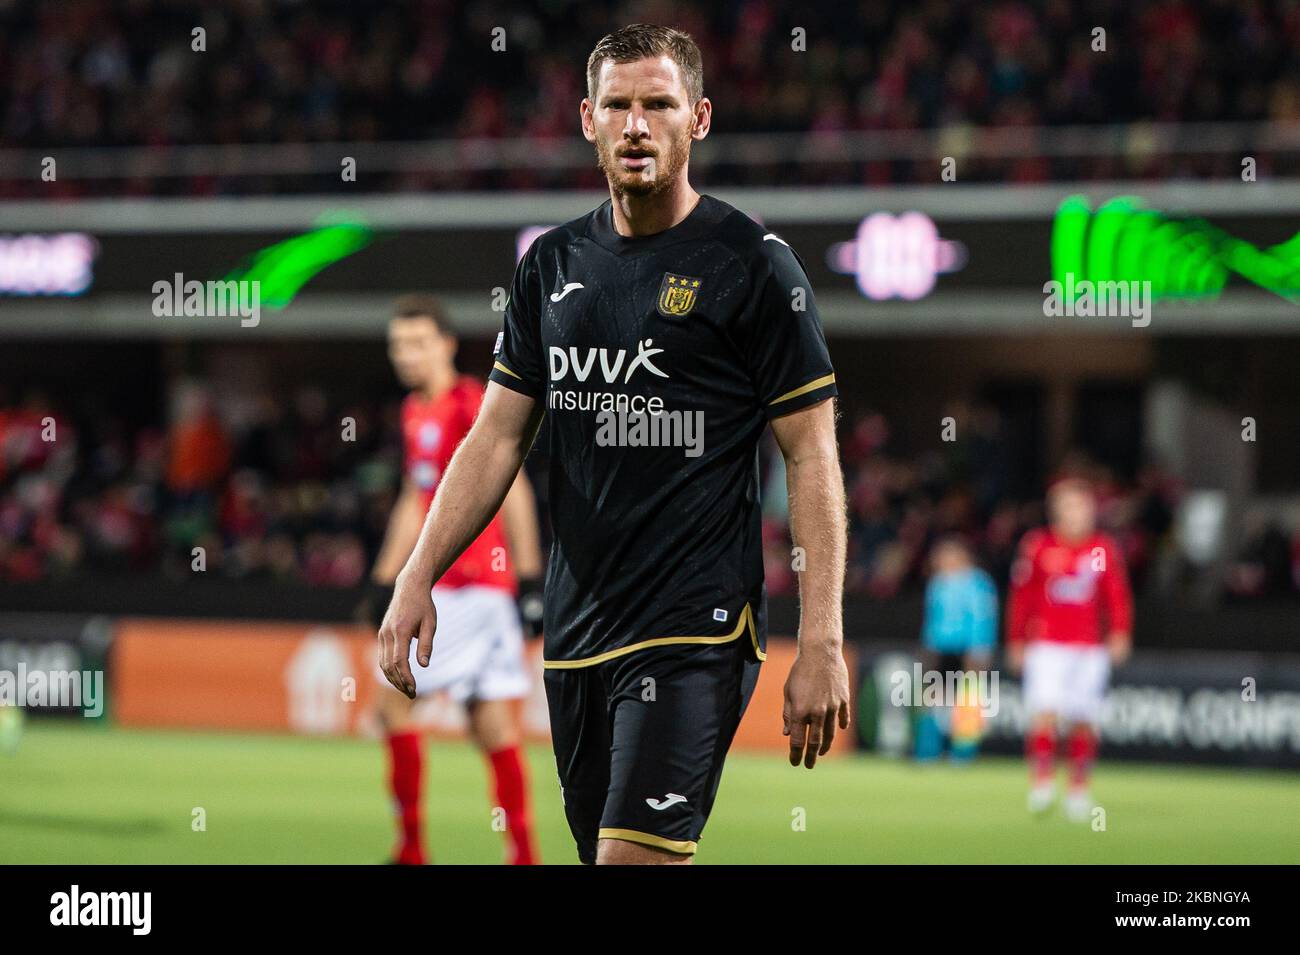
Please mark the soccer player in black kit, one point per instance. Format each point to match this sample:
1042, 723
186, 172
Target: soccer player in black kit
656, 338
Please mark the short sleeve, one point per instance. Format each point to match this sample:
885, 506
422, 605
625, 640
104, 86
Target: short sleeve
783, 340
517, 354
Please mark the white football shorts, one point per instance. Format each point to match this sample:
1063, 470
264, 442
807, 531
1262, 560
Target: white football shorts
1067, 679
478, 648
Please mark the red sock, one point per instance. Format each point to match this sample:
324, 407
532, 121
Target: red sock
1040, 751
1083, 752
512, 796
406, 767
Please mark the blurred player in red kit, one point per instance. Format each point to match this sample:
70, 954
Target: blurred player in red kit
1069, 620
478, 657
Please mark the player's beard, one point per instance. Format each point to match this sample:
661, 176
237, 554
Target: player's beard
669, 164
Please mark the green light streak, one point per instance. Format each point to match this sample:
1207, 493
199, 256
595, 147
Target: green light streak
284, 268
1181, 257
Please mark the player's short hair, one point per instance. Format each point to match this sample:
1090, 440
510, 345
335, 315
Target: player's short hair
1071, 482
636, 41
424, 305
957, 541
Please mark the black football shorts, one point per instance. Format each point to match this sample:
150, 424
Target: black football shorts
640, 741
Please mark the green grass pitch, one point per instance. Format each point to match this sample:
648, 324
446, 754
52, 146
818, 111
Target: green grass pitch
77, 793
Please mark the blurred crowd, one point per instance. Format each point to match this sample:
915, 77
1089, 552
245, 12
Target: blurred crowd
124, 72
295, 490
900, 505
298, 488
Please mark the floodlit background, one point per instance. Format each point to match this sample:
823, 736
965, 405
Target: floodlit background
934, 164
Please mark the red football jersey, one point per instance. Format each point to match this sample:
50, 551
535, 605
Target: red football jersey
431, 432
1068, 592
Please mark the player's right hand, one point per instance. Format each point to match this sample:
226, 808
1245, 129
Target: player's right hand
1120, 648
411, 615
1015, 657
531, 608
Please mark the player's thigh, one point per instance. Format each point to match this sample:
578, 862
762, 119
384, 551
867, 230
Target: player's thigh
1047, 672
501, 672
393, 707
675, 711
462, 643
447, 645
622, 852
493, 723
577, 703
1090, 678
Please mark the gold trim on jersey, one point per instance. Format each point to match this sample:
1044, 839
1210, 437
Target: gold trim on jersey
500, 367
803, 390
746, 620
680, 846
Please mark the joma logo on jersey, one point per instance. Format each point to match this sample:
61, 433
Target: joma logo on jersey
611, 362
677, 295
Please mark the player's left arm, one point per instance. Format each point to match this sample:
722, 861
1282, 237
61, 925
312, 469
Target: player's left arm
817, 690
519, 518
790, 367
1118, 604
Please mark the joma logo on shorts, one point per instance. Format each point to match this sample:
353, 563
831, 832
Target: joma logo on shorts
670, 799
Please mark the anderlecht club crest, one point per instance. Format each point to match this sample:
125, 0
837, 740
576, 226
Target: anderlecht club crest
677, 295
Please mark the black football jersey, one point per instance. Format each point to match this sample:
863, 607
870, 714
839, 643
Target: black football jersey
660, 360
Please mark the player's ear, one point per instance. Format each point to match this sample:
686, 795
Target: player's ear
585, 111
703, 118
